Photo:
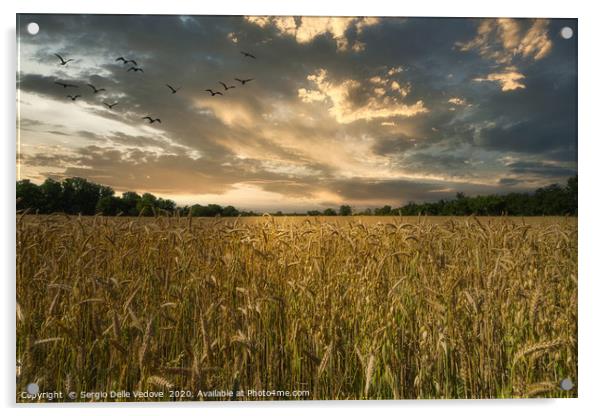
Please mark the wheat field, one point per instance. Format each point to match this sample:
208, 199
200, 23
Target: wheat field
343, 308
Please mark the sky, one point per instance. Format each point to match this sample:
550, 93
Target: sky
364, 111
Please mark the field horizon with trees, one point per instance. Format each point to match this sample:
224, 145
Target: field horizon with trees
79, 196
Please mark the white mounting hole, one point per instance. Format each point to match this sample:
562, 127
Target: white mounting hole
33, 28
566, 32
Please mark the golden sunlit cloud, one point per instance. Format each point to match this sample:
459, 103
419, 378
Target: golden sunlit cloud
457, 101
509, 80
305, 29
506, 40
229, 112
536, 42
308, 96
232, 37
342, 107
509, 33
502, 40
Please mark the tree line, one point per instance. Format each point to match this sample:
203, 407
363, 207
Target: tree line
550, 200
80, 196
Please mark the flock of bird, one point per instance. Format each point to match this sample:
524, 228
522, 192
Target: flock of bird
136, 68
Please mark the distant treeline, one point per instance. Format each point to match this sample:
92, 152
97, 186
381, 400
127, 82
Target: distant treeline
550, 200
80, 196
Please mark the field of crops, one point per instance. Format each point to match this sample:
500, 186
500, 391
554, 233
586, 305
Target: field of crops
343, 308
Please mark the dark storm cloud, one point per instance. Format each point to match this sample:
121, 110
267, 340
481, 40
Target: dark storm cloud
58, 133
540, 169
357, 189
541, 118
438, 162
403, 191
235, 135
509, 181
538, 120
393, 144
46, 85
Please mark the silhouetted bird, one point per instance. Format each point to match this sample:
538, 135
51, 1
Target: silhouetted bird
62, 84
243, 81
135, 69
214, 92
73, 97
227, 87
126, 61
248, 55
173, 90
151, 120
96, 90
63, 62
110, 106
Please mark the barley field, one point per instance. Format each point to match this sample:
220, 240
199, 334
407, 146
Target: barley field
341, 308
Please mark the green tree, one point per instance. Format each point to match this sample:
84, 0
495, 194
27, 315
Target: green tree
52, 195
230, 211
213, 210
386, 210
146, 204
80, 196
329, 212
109, 205
572, 195
345, 210
166, 205
129, 201
196, 210
28, 195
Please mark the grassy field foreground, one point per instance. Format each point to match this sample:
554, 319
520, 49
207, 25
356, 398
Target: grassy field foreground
377, 308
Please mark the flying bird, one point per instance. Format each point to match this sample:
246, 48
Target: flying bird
227, 87
126, 61
151, 120
64, 85
248, 55
135, 69
73, 97
214, 92
63, 61
96, 90
243, 81
173, 90
110, 106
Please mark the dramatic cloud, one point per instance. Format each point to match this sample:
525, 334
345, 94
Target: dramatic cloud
358, 110
508, 80
349, 100
501, 40
306, 29
457, 101
506, 41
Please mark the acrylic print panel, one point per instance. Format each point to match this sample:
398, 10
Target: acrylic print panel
295, 208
